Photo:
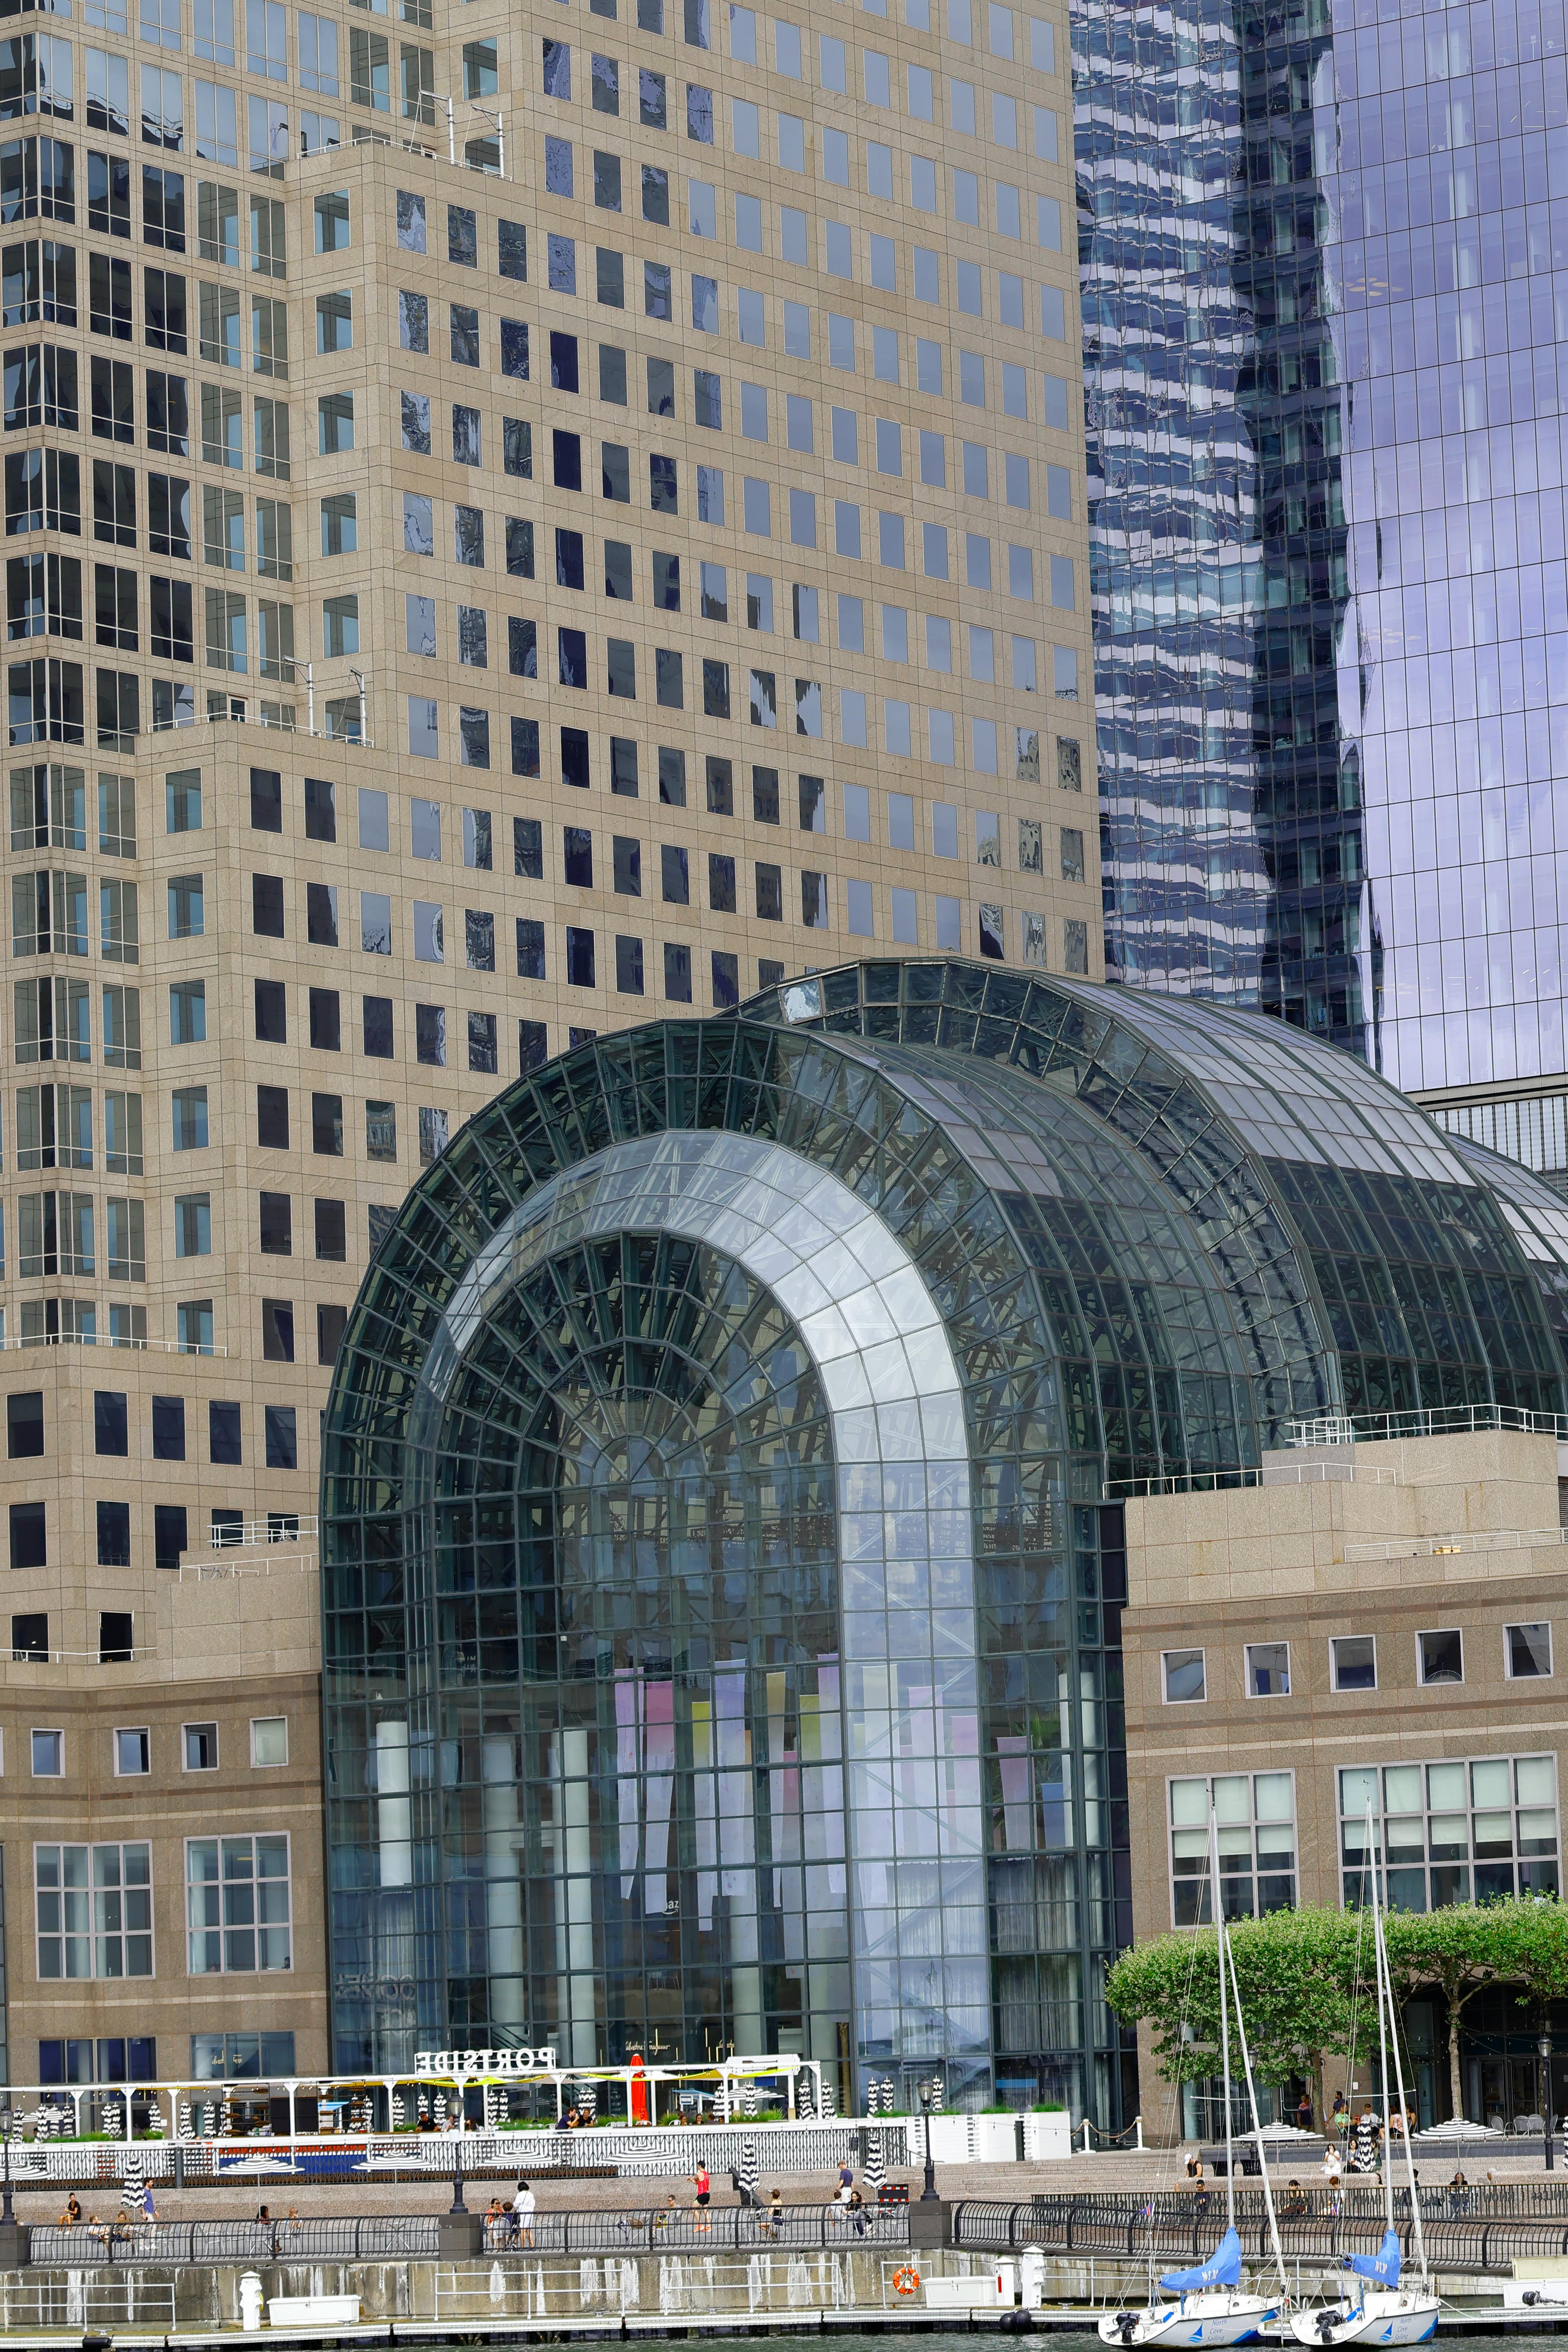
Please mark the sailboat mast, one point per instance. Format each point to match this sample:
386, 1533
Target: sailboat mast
1224, 2021
1387, 1977
1257, 2126
1382, 2032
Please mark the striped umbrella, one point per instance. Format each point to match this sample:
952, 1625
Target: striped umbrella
829, 2104
749, 2100
133, 2187
746, 2178
588, 2101
875, 2171
805, 2097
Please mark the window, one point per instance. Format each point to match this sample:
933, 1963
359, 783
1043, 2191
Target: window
48, 1755
1528, 1650
236, 1899
30, 1638
1440, 1657
1353, 1662
1255, 1815
132, 1753
94, 1906
1268, 1670
1182, 1673
199, 1747
30, 1541
1451, 1833
268, 1740
25, 1424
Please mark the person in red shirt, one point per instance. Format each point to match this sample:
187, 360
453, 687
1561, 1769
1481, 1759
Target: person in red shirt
702, 2184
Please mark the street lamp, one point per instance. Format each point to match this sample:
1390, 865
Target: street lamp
928, 2092
7, 2117
1543, 2048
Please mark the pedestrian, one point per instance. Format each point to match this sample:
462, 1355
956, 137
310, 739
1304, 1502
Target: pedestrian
1304, 2112
1194, 2168
524, 2205
1341, 2117
1295, 2202
1332, 2165
846, 2180
855, 2208
262, 2213
703, 2186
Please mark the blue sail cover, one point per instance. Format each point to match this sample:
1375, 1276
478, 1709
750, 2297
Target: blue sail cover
1381, 2268
1222, 2268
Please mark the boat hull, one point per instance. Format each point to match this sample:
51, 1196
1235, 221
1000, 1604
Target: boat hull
1215, 2316
1405, 2316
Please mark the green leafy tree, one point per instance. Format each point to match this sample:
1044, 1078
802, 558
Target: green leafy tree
1305, 1979
1307, 1983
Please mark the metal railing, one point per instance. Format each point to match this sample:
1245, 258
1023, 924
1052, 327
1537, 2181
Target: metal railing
1424, 1421
1469, 2229
325, 2238
682, 2230
413, 2237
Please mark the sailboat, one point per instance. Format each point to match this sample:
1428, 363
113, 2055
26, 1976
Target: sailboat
1378, 2308
1208, 2304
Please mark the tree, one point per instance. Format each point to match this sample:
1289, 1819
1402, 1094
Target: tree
1459, 1949
1306, 1991
1306, 1983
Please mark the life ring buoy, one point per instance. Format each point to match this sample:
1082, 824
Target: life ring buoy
906, 2279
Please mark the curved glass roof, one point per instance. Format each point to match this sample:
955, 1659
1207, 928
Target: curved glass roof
714, 1480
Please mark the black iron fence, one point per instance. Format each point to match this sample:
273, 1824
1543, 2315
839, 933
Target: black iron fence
720, 2228
1488, 2227
724, 2228
330, 2238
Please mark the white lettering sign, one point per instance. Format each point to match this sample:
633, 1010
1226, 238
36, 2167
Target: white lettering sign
461, 2066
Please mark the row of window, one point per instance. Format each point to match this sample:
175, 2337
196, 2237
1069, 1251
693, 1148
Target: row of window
94, 1906
27, 1434
132, 2058
38, 282
41, 389
1453, 1832
1439, 1658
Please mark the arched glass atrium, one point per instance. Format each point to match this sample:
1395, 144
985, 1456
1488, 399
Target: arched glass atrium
721, 1591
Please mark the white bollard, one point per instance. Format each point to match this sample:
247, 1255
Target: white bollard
1031, 2277
249, 2301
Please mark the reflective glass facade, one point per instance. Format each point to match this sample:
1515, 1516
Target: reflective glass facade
1323, 300
723, 1597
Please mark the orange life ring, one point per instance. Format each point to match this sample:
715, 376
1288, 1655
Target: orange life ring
906, 2279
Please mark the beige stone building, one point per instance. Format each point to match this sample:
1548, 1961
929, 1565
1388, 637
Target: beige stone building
517, 523
1374, 1624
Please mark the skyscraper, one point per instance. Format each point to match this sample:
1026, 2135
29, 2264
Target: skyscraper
1323, 309
515, 523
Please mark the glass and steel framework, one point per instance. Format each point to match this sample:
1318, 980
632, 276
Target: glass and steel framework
723, 1601
1322, 306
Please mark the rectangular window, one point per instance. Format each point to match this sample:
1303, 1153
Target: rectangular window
1268, 1670
1353, 1662
238, 1907
1454, 1831
93, 1908
1528, 1650
1440, 1657
1182, 1676
1256, 1817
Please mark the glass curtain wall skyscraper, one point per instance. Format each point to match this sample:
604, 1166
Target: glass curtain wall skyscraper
1322, 300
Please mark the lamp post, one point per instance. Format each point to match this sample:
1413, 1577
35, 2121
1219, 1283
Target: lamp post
927, 2093
1543, 2048
7, 2117
457, 2205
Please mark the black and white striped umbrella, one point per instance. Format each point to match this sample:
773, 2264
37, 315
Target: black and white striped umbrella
133, 2187
746, 2176
749, 2100
804, 2096
875, 2171
829, 2104
588, 2101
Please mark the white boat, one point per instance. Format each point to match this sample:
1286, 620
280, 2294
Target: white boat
1376, 2308
1208, 2304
